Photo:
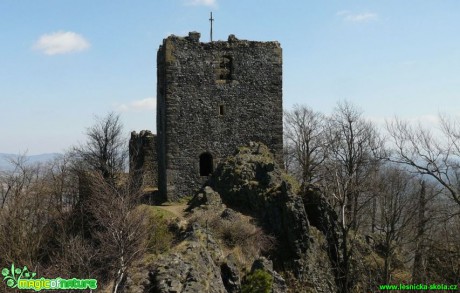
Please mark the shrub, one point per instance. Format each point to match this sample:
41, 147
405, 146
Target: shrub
258, 281
159, 237
236, 232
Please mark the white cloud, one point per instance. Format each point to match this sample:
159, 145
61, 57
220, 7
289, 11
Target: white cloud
357, 17
61, 43
148, 104
201, 2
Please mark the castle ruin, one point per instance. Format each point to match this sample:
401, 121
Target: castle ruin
211, 98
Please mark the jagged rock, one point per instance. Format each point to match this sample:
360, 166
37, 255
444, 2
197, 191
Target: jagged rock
323, 217
321, 274
206, 198
191, 268
253, 183
230, 275
320, 213
229, 215
279, 284
211, 197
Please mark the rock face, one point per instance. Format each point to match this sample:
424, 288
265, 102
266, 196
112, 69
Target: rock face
192, 268
323, 217
211, 98
230, 275
279, 284
252, 182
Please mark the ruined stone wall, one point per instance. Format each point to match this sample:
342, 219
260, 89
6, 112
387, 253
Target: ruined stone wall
213, 97
143, 161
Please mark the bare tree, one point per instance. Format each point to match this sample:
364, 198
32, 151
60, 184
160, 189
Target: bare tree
436, 157
119, 227
62, 180
73, 256
418, 270
396, 193
106, 148
439, 247
24, 211
352, 145
17, 180
304, 139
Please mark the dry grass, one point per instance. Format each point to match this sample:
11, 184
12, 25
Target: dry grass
239, 235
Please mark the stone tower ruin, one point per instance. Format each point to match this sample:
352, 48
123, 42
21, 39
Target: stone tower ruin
212, 98
143, 163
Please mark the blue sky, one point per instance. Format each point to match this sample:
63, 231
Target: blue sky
62, 61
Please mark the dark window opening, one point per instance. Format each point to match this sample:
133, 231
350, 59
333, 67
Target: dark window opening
206, 165
226, 63
225, 68
221, 110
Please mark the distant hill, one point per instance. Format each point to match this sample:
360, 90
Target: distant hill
4, 165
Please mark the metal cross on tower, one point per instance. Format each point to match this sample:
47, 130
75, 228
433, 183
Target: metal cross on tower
211, 20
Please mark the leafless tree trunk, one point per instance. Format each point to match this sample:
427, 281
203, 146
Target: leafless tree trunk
395, 194
418, 267
351, 161
119, 227
351, 157
435, 157
304, 138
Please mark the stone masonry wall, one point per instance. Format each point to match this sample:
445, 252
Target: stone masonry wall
143, 161
212, 98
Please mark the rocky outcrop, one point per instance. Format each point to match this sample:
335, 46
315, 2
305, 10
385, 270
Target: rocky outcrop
230, 274
278, 283
253, 183
322, 216
193, 266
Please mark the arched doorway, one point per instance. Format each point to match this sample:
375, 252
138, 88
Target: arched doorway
206, 164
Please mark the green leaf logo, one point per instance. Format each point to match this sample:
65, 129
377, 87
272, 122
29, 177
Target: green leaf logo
5, 272
13, 275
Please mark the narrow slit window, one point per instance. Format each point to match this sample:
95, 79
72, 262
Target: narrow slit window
221, 110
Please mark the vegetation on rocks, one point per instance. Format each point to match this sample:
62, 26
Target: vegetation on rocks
363, 215
258, 281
